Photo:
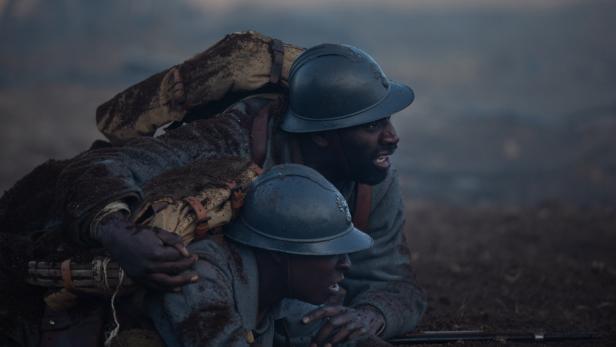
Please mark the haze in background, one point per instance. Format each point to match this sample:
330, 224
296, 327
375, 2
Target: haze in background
516, 100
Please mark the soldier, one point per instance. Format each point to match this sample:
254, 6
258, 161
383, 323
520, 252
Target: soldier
336, 120
273, 250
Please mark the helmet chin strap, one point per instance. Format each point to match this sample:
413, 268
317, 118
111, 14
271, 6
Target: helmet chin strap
340, 154
289, 291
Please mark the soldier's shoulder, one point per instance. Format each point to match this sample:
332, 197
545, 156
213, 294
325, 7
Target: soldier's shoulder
217, 250
209, 248
388, 186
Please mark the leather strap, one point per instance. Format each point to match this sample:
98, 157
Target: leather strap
340, 154
201, 230
237, 200
296, 153
196, 205
258, 134
179, 94
277, 51
256, 168
363, 197
67, 279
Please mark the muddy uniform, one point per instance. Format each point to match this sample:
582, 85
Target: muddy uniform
380, 277
221, 308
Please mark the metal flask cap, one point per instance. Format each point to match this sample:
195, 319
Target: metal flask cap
334, 86
293, 209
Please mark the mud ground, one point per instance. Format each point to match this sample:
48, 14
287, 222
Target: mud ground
550, 268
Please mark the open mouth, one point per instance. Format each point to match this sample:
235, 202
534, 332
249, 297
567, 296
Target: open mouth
382, 160
335, 287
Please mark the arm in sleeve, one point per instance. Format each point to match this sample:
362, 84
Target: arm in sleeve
203, 313
382, 276
96, 178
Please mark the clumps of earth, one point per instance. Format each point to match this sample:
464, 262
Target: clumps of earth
548, 268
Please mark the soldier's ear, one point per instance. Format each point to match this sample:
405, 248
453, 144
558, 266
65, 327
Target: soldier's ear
319, 140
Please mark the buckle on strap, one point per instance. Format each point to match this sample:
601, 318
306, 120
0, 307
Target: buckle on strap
277, 51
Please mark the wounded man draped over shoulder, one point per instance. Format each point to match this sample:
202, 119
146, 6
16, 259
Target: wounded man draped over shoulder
246, 196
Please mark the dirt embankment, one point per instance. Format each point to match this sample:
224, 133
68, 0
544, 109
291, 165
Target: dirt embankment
550, 268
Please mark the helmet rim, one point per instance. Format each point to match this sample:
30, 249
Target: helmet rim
292, 208
351, 241
398, 97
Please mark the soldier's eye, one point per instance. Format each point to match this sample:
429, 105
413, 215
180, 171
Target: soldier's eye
372, 125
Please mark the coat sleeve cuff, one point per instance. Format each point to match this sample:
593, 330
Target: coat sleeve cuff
397, 321
115, 206
80, 218
390, 326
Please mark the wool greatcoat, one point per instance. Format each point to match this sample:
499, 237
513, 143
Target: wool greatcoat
221, 308
380, 277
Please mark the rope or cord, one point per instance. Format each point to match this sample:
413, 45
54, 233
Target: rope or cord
105, 280
113, 333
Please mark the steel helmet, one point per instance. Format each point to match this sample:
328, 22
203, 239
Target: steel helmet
293, 209
333, 86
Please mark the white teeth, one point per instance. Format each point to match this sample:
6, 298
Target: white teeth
382, 159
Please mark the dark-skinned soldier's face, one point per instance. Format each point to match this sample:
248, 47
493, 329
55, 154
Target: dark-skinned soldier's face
314, 279
367, 148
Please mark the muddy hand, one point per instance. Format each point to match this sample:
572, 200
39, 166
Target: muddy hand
344, 323
152, 256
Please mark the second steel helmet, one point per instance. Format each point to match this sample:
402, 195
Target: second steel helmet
293, 209
333, 86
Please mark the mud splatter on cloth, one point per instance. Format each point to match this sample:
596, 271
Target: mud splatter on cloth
221, 308
236, 66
